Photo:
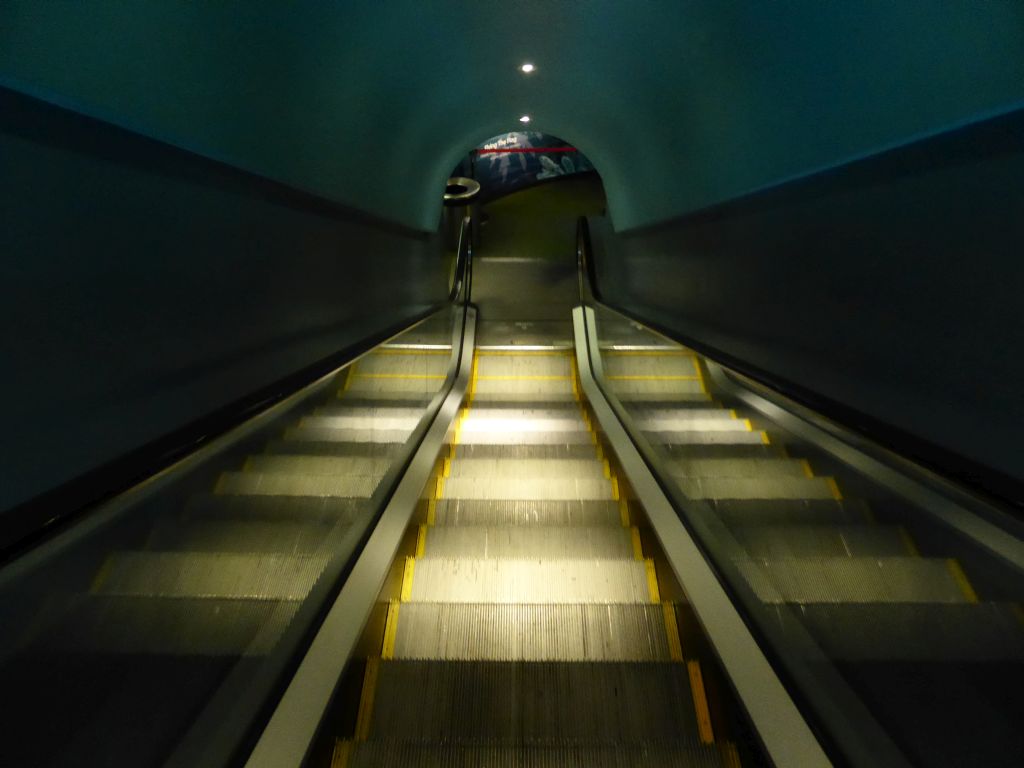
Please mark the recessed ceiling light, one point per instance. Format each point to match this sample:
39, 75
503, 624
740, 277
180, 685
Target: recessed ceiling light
524, 119
527, 68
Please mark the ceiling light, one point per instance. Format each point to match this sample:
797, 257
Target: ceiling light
527, 68
524, 119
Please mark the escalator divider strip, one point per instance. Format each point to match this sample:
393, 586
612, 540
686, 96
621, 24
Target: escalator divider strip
675, 645
366, 699
407, 575
390, 630
700, 702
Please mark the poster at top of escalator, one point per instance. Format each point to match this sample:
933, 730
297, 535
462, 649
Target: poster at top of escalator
514, 160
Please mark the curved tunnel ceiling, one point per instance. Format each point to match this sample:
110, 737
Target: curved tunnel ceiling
680, 105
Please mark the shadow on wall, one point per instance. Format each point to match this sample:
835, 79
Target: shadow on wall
890, 286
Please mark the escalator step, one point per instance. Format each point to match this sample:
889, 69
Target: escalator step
751, 449
511, 367
527, 437
289, 536
742, 468
302, 508
358, 423
489, 632
757, 488
333, 448
673, 390
699, 437
392, 364
671, 364
213, 575
450, 512
384, 387
786, 541
491, 392
736, 512
530, 581
529, 468
276, 484
346, 409
855, 580
501, 451
317, 465
307, 434
694, 395
932, 632
575, 543
560, 702
401, 754
177, 627
528, 488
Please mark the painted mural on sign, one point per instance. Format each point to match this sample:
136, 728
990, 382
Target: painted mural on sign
510, 161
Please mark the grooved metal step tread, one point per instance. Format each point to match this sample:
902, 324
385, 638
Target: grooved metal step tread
172, 627
356, 423
527, 488
554, 408
736, 512
204, 574
525, 366
492, 393
519, 424
704, 437
287, 536
527, 437
520, 542
358, 400
855, 580
333, 448
649, 365
430, 754
278, 484
603, 702
740, 468
442, 580
327, 435
529, 468
502, 452
693, 395
787, 541
672, 389
375, 364
451, 512
693, 423
398, 386
317, 465
346, 409
518, 632
757, 488
253, 508
931, 632
752, 449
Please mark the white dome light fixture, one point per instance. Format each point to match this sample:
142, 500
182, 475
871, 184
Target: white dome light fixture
527, 68
524, 119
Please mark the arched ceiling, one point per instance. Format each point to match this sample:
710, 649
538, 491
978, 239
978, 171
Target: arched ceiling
680, 104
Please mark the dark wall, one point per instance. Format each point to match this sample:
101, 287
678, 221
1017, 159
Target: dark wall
142, 287
893, 286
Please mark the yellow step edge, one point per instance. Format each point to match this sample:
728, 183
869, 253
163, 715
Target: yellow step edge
765, 439
615, 487
700, 702
410, 568
652, 581
624, 513
600, 452
366, 700
421, 541
750, 427
834, 488
387, 651
606, 468
675, 645
446, 468
700, 375
653, 378
961, 579
348, 377
638, 549
730, 756
524, 353
909, 543
439, 488
342, 753
808, 472
522, 378
431, 511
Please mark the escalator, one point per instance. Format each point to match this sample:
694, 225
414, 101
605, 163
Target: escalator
523, 533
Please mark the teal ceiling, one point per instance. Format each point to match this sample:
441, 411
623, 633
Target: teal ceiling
680, 104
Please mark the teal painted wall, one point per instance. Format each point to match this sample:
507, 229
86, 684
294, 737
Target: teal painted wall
680, 104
